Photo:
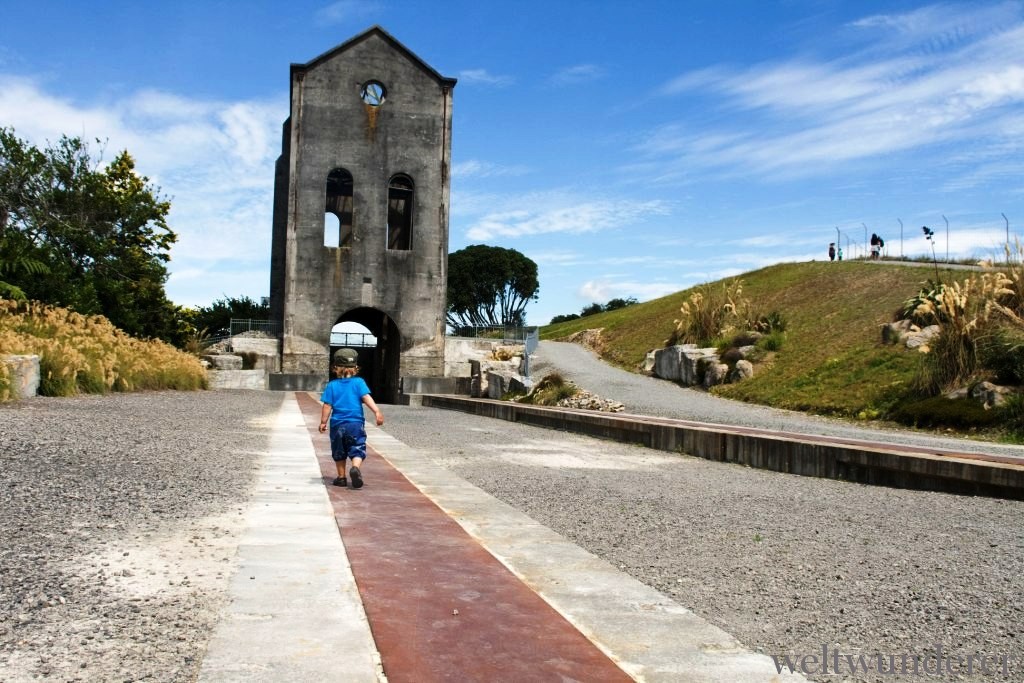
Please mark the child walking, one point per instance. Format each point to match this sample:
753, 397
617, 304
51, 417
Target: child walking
343, 399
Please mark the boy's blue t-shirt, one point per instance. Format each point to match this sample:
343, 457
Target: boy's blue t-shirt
345, 397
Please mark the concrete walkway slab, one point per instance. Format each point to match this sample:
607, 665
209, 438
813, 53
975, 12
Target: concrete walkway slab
294, 613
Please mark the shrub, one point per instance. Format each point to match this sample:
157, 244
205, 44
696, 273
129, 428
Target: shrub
550, 390
938, 411
1013, 414
767, 324
1002, 353
772, 341
710, 314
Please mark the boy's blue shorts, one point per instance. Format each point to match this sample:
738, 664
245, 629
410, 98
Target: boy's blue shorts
348, 440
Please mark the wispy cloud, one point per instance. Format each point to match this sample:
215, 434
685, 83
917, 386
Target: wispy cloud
561, 212
347, 12
580, 73
958, 80
600, 291
213, 159
474, 168
484, 77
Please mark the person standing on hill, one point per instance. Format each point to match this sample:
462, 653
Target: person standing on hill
831, 251
343, 399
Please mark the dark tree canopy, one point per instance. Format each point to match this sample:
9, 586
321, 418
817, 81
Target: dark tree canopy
215, 319
489, 286
88, 239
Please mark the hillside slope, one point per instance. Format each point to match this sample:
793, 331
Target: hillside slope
832, 361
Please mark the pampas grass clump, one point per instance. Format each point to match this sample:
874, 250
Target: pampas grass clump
87, 354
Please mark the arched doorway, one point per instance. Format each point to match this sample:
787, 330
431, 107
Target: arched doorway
375, 337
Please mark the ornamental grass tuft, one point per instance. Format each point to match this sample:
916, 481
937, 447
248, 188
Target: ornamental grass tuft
87, 354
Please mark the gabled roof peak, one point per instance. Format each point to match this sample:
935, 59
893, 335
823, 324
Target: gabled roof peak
375, 30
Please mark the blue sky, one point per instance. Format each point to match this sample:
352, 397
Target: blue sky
629, 149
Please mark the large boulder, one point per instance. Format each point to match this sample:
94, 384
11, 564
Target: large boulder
990, 395
715, 373
682, 363
744, 369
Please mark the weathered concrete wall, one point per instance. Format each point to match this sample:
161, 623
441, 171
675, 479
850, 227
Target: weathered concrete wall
814, 457
237, 379
24, 374
330, 127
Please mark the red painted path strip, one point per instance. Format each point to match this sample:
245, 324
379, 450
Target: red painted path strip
441, 608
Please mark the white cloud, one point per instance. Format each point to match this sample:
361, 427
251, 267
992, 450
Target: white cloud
800, 117
555, 212
483, 77
600, 291
473, 168
580, 73
214, 160
347, 11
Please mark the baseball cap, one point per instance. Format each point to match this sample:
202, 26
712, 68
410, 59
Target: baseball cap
346, 358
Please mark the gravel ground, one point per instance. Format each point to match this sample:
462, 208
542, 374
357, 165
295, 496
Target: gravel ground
120, 518
787, 564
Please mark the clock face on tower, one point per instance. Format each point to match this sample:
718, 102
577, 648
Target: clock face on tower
373, 93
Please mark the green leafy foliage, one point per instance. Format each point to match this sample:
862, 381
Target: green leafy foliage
91, 239
594, 309
489, 286
939, 411
215, 319
550, 390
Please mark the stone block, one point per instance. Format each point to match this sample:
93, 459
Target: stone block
495, 385
24, 374
715, 373
224, 361
237, 379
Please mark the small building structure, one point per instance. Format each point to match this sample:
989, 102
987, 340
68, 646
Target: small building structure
360, 226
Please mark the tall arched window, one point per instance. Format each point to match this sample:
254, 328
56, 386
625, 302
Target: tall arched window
338, 209
400, 192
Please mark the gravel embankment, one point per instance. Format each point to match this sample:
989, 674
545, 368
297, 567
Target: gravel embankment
120, 517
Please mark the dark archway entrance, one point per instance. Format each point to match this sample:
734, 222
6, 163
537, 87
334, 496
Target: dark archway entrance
379, 365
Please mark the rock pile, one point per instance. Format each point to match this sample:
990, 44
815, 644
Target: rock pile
584, 400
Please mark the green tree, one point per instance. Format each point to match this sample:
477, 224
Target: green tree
77, 236
489, 286
215, 319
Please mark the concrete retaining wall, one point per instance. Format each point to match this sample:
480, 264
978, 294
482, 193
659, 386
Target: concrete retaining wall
283, 381
237, 379
867, 463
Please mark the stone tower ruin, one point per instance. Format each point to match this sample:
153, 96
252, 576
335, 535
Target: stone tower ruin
361, 200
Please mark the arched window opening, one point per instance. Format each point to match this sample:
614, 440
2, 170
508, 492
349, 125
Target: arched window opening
400, 204
338, 209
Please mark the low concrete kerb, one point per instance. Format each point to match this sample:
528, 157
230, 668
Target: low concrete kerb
806, 455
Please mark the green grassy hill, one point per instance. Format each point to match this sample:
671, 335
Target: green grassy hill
832, 361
